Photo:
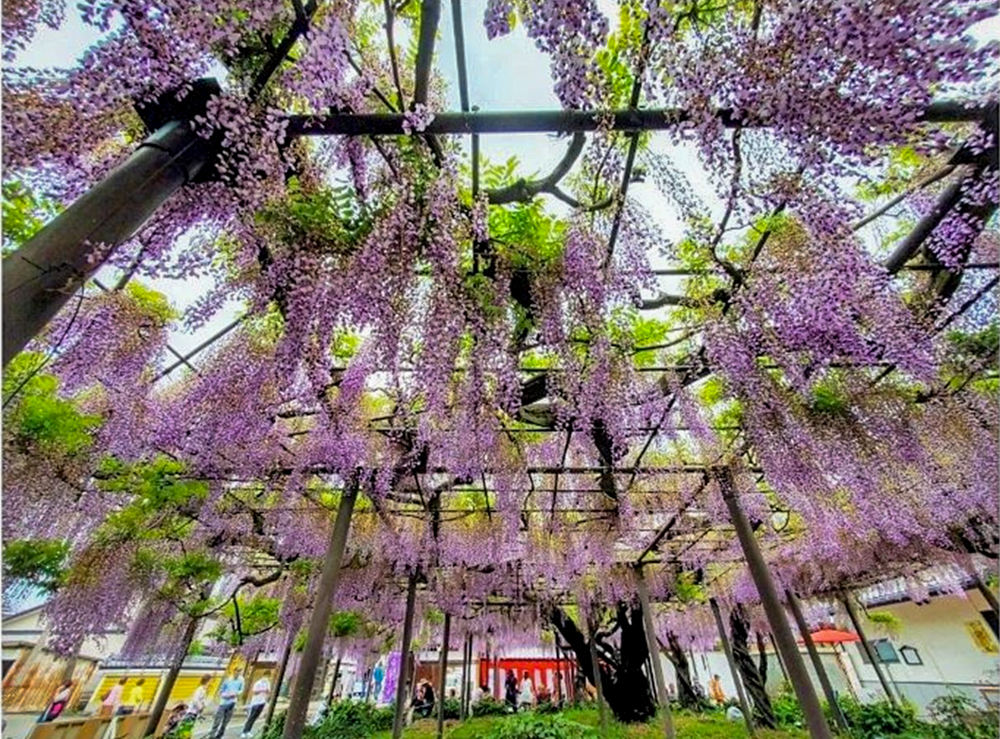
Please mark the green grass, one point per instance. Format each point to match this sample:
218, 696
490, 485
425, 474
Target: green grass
703, 726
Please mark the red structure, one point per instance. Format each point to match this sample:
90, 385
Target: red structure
542, 670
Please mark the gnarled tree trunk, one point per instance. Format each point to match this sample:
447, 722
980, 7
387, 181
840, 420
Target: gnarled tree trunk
753, 679
625, 683
689, 693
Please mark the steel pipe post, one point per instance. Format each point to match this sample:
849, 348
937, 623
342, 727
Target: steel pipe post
654, 654
444, 673
773, 608
40, 276
404, 660
319, 621
867, 646
728, 650
824, 680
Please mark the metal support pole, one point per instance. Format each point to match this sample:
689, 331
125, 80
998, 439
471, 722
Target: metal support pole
272, 700
777, 655
404, 660
319, 621
803, 686
156, 712
728, 649
598, 683
869, 650
333, 683
466, 667
824, 680
654, 654
444, 673
47, 269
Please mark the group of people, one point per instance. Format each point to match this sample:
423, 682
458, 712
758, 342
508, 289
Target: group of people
183, 715
523, 694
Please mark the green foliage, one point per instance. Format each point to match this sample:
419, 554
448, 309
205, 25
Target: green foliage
328, 219
828, 398
886, 621
536, 726
41, 562
528, 237
257, 614
452, 708
346, 623
957, 716
157, 488
904, 163
24, 214
40, 417
489, 706
876, 720
686, 590
276, 728
617, 59
351, 720
151, 302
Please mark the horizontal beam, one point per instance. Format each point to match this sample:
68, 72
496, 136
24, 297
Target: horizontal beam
560, 121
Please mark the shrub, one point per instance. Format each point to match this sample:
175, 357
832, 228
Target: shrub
489, 706
957, 716
452, 708
352, 720
786, 709
535, 726
877, 720
276, 728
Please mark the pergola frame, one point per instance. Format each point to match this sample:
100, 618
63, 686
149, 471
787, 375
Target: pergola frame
632, 121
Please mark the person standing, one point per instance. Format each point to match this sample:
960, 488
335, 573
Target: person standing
378, 675
231, 688
527, 695
258, 699
715, 691
58, 704
112, 699
510, 690
135, 699
200, 698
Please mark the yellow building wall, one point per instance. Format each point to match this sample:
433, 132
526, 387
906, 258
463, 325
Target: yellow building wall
183, 689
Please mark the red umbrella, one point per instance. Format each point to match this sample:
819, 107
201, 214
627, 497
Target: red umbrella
833, 636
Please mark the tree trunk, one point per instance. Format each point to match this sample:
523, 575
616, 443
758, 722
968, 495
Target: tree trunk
689, 693
626, 687
753, 680
762, 658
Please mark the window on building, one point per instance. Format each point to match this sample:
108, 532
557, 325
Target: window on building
990, 617
883, 648
910, 656
7, 664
